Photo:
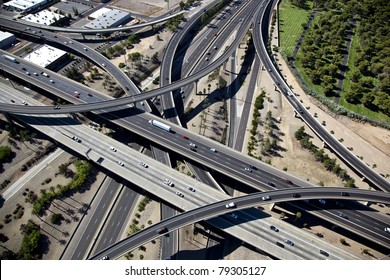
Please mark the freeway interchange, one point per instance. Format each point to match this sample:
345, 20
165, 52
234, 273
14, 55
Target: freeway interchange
159, 137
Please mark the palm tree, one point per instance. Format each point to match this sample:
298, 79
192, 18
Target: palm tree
298, 215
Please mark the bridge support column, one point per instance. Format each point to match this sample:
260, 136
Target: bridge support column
271, 206
363, 178
324, 145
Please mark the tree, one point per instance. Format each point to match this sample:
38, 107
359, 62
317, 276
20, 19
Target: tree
5, 152
300, 133
319, 155
298, 215
343, 241
368, 99
75, 11
63, 168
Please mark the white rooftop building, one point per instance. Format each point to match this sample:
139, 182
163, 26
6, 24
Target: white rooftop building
98, 13
111, 18
6, 39
45, 55
24, 6
45, 17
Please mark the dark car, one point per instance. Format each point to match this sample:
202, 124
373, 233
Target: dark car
324, 253
342, 215
344, 194
296, 195
184, 137
280, 244
274, 228
288, 182
271, 184
161, 230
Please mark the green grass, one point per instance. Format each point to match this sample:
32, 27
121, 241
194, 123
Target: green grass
291, 19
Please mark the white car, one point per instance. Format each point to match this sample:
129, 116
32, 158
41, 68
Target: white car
264, 198
180, 194
143, 164
213, 150
387, 229
233, 215
230, 205
322, 201
168, 182
191, 189
120, 163
248, 169
75, 138
112, 149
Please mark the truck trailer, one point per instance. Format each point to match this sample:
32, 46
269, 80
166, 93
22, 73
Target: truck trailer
10, 58
160, 125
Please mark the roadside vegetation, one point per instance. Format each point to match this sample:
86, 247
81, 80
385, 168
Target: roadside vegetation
320, 60
320, 155
83, 170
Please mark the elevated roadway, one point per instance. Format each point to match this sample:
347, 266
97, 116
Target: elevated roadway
227, 162
125, 162
218, 208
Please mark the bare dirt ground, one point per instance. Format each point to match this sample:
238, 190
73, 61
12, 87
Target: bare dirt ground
152, 8
56, 236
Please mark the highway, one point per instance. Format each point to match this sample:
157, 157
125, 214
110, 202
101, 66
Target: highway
369, 174
204, 151
63, 129
225, 160
218, 208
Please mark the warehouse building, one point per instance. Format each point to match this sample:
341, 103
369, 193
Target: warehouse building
111, 18
24, 6
6, 39
45, 17
46, 56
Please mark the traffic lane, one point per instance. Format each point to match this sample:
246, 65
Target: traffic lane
220, 205
88, 235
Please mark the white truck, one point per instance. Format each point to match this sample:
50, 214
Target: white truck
10, 58
160, 125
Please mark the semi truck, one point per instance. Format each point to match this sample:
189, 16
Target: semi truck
160, 125
10, 58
